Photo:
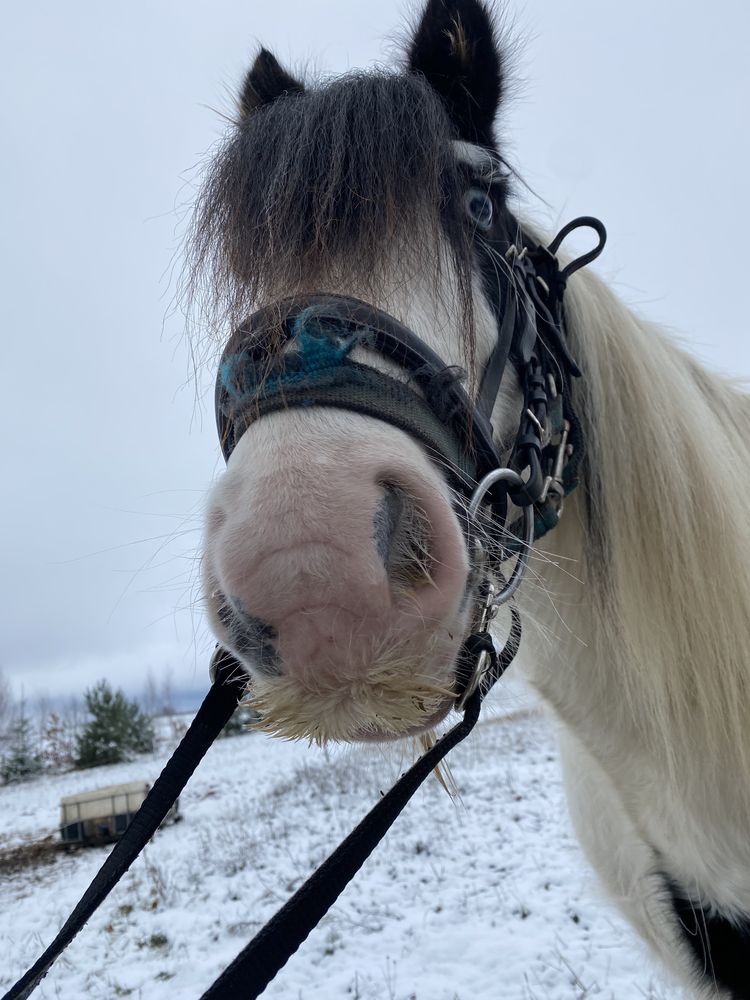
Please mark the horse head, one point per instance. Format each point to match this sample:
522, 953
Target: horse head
337, 568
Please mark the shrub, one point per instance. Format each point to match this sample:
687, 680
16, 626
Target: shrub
22, 761
117, 728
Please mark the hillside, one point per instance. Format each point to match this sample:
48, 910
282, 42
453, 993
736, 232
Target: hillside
488, 898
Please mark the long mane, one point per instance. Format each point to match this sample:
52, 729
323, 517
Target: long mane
666, 543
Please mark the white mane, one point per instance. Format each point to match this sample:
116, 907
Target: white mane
646, 594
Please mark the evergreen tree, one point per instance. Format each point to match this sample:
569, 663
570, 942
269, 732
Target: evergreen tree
117, 728
22, 761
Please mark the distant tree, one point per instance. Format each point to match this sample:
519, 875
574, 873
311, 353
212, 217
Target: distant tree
150, 696
6, 703
58, 743
41, 709
22, 761
116, 730
73, 712
167, 693
158, 698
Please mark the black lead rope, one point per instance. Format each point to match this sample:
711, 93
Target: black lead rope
257, 964
271, 948
216, 710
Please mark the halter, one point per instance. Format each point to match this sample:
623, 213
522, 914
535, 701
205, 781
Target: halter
315, 370
298, 353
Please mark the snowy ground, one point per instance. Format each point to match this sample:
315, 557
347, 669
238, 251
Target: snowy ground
486, 899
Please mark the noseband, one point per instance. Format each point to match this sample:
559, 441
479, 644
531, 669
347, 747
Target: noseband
299, 353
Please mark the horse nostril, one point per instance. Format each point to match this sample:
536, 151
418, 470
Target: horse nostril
402, 534
386, 520
251, 638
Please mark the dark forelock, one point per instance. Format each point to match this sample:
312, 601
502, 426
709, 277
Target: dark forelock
322, 184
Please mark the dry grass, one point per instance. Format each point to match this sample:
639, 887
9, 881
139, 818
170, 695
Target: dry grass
29, 855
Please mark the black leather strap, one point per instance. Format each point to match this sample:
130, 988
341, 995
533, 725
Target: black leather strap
258, 963
216, 710
489, 387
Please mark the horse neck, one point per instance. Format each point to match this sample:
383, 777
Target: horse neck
645, 590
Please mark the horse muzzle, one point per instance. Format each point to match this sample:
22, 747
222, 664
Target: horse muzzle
338, 573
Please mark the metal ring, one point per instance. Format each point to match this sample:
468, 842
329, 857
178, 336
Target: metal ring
513, 478
486, 484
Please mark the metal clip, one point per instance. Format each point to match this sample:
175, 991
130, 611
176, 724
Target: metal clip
553, 484
487, 614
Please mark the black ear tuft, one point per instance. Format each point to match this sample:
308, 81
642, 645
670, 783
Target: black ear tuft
455, 48
266, 81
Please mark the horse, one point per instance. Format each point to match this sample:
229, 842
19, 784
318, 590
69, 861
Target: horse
337, 568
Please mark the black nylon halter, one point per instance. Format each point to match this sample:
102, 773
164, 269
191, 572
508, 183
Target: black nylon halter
448, 424
314, 337
296, 353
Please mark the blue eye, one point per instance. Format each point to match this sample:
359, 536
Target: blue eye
479, 208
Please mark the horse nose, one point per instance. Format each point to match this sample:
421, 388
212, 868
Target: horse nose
323, 560
296, 599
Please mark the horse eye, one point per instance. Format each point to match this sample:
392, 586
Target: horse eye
479, 208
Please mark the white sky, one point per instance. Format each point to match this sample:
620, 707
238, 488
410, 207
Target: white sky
637, 113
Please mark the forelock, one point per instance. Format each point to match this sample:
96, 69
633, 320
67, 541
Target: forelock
324, 185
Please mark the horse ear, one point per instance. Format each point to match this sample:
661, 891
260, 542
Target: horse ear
455, 48
265, 81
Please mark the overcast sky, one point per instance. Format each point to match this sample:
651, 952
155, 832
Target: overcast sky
636, 112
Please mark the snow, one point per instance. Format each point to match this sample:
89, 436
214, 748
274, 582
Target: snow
488, 898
